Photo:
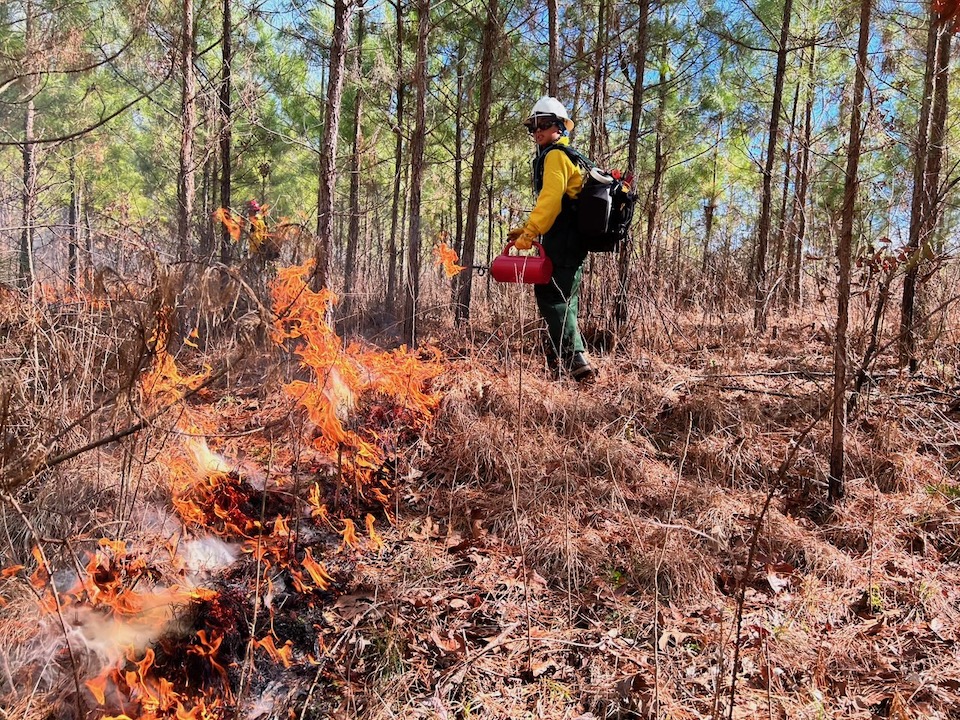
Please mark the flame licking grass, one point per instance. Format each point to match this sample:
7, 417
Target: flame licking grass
446, 256
340, 376
155, 661
376, 542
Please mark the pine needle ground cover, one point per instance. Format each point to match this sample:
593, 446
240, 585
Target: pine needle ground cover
260, 519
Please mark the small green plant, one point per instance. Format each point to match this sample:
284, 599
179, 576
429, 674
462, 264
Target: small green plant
616, 576
873, 599
945, 489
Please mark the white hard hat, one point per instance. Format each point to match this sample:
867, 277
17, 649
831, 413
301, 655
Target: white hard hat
550, 107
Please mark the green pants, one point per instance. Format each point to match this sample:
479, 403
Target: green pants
559, 304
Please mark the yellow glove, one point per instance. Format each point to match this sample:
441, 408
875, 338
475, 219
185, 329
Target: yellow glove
520, 238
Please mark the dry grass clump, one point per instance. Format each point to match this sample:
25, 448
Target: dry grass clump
573, 482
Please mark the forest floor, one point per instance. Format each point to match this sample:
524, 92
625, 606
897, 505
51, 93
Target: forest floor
655, 545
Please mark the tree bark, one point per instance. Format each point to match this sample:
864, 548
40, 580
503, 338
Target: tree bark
844, 244
785, 192
553, 62
73, 220
353, 229
597, 125
621, 310
458, 154
659, 163
766, 200
417, 143
186, 186
798, 213
464, 281
28, 196
710, 206
342, 14
226, 129
925, 201
392, 256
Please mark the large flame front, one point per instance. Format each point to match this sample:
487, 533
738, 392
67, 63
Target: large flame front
340, 375
362, 402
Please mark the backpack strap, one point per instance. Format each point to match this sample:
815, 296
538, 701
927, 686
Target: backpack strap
539, 161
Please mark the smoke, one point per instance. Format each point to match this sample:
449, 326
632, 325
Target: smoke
207, 555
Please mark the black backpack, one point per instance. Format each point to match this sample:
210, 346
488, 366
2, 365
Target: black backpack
604, 207
605, 211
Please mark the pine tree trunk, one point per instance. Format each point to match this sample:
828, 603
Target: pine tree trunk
343, 12
73, 220
784, 194
186, 186
353, 230
710, 207
226, 129
621, 310
553, 61
463, 102
844, 245
28, 196
597, 125
392, 255
766, 199
925, 201
659, 163
798, 213
464, 281
417, 143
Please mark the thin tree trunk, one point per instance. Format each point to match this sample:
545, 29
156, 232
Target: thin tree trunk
597, 125
553, 61
28, 197
659, 163
844, 244
924, 209
342, 14
766, 200
490, 216
226, 129
621, 310
28, 194
87, 194
353, 230
710, 207
785, 191
464, 282
392, 256
206, 230
186, 188
798, 220
462, 104
417, 143
73, 220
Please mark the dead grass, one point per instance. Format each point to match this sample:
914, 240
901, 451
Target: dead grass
557, 552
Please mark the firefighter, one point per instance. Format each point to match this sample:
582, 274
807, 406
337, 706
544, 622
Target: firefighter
557, 182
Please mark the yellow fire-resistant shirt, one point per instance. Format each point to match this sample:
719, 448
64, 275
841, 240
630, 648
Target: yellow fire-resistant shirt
560, 177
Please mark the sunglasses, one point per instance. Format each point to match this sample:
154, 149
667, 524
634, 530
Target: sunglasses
541, 125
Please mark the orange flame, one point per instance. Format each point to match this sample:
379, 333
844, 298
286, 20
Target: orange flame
341, 375
446, 256
229, 221
318, 573
376, 542
283, 655
349, 534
